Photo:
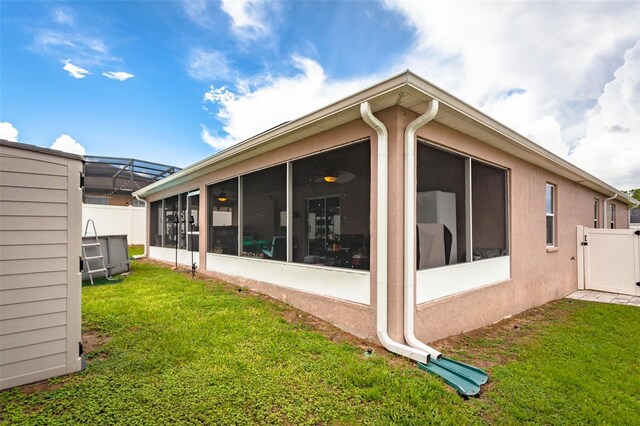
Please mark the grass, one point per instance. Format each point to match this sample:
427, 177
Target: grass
168, 349
136, 250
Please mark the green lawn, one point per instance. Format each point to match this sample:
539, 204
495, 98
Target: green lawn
136, 250
175, 350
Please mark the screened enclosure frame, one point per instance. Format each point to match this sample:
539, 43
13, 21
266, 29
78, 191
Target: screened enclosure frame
290, 192
469, 161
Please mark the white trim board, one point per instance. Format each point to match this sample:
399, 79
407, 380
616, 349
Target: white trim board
169, 255
345, 284
436, 283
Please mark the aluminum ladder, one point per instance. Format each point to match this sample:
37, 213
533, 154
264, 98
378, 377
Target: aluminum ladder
93, 256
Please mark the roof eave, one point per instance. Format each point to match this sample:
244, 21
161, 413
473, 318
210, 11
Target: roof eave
404, 79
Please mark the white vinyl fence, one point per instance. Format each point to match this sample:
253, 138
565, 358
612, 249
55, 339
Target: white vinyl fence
117, 220
609, 260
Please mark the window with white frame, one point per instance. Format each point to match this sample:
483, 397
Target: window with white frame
174, 222
612, 216
550, 203
596, 204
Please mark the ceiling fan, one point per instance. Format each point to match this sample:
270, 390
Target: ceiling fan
337, 176
223, 197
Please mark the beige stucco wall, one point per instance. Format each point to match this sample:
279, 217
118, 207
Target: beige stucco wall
355, 318
538, 276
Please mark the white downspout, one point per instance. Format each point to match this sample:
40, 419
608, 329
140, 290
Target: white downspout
604, 206
381, 245
410, 227
146, 206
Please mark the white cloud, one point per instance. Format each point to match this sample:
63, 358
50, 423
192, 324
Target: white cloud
610, 148
8, 132
118, 75
511, 60
248, 17
67, 36
274, 101
80, 47
75, 71
67, 144
63, 16
208, 65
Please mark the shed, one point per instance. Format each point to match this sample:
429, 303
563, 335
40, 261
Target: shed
40, 251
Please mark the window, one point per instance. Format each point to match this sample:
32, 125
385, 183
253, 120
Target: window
137, 203
192, 220
171, 222
595, 212
96, 200
331, 196
489, 210
441, 205
264, 213
461, 209
551, 214
612, 216
155, 234
223, 217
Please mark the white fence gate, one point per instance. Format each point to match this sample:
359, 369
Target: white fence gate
609, 260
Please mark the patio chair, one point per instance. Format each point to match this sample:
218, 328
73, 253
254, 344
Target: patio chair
278, 249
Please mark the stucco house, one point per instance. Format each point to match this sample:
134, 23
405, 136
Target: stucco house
399, 213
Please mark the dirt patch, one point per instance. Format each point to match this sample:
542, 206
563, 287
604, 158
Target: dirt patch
43, 386
93, 342
496, 344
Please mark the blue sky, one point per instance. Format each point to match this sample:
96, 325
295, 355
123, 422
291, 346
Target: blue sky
192, 77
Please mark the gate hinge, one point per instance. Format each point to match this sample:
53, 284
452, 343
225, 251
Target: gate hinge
81, 180
80, 349
584, 243
637, 232
81, 264
638, 284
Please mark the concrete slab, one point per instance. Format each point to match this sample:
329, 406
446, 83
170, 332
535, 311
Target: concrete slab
603, 297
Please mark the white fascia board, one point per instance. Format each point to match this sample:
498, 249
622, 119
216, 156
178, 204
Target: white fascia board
227, 156
512, 137
393, 89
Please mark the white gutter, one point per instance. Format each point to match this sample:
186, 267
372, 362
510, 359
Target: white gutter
604, 206
146, 206
410, 227
382, 240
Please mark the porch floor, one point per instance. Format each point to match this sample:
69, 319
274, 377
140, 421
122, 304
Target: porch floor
602, 297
